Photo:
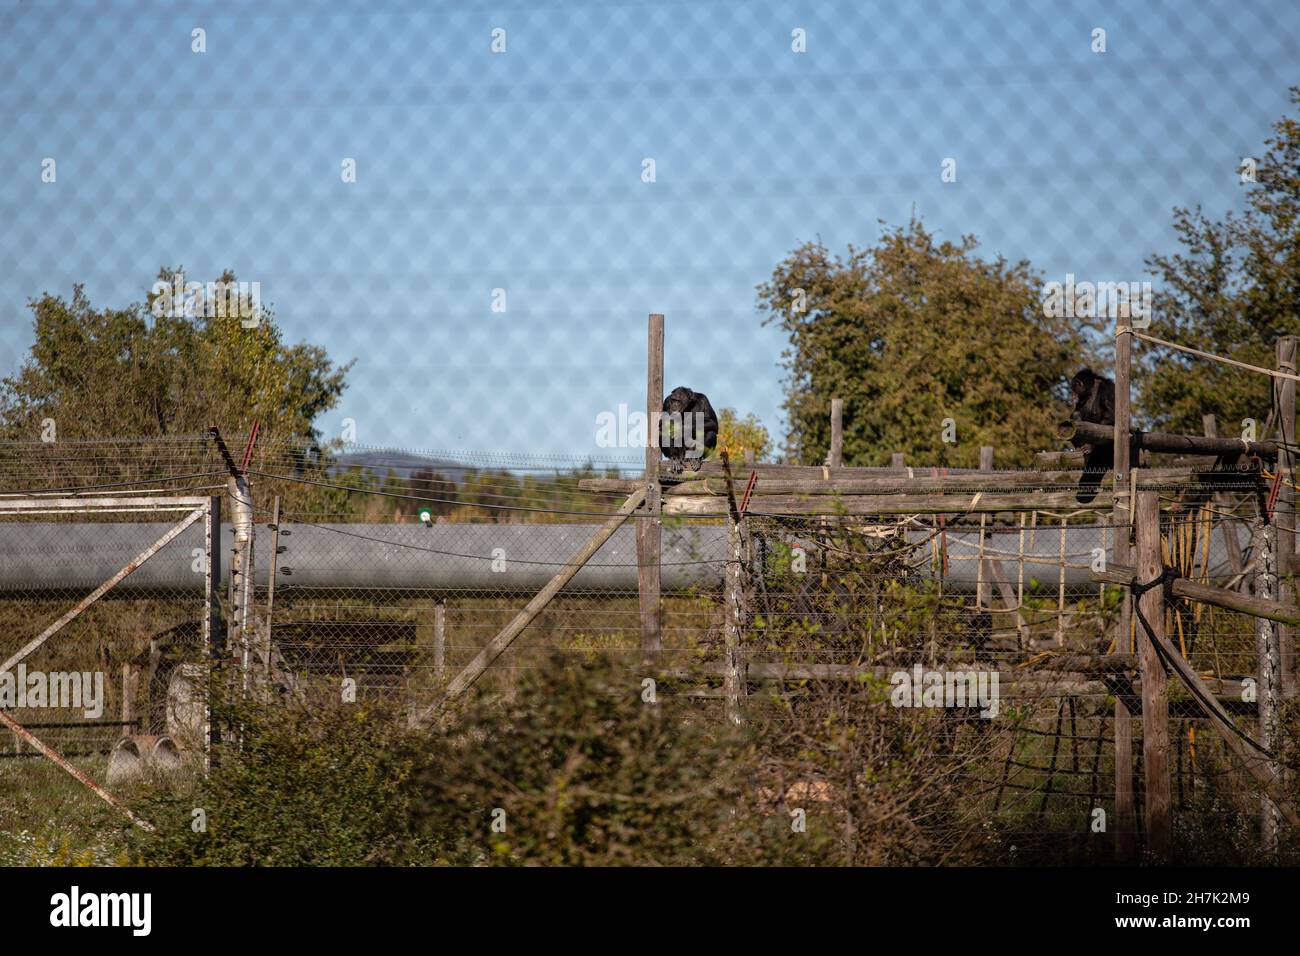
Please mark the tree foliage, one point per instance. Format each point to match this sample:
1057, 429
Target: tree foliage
1232, 290
128, 372
913, 332
740, 435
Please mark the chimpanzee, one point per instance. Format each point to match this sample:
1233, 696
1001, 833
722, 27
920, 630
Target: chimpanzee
689, 428
1094, 401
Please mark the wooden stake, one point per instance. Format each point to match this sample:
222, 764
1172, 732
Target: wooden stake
836, 457
649, 527
1155, 697
1125, 815
734, 675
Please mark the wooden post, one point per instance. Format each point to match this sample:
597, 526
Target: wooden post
1155, 698
1270, 679
983, 586
1210, 426
496, 647
836, 457
898, 460
210, 626
1125, 816
1285, 513
126, 700
268, 647
733, 684
440, 640
649, 527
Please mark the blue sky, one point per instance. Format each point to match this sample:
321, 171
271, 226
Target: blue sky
522, 171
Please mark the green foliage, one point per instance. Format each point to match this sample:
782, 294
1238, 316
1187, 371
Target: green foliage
911, 332
586, 772
1232, 290
739, 435
127, 372
324, 788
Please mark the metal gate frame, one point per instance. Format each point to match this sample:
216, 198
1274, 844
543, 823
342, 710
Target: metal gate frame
207, 509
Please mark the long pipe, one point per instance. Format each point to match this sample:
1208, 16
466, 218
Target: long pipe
45, 557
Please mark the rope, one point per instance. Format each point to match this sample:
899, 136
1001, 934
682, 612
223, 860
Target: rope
1207, 355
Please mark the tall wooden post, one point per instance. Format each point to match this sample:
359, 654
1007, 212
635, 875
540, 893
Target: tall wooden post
836, 457
733, 683
1155, 697
983, 586
1121, 518
1285, 513
649, 527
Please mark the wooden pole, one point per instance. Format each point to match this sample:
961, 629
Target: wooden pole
983, 587
495, 647
1227, 528
1168, 442
1269, 681
1125, 815
898, 461
733, 684
1285, 514
268, 646
836, 457
126, 699
1155, 697
649, 527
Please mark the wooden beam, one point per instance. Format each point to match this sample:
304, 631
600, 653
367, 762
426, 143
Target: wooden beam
498, 644
649, 526
1167, 442
1155, 698
1225, 598
1006, 481
978, 503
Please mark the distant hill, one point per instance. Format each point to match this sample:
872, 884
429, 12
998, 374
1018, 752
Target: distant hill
402, 463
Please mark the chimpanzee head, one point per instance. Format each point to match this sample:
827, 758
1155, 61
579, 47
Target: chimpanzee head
679, 400
1081, 385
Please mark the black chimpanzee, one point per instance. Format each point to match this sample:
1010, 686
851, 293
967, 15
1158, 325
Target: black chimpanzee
688, 429
1094, 401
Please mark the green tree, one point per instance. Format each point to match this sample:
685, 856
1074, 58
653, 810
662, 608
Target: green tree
1232, 289
910, 333
739, 435
132, 373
